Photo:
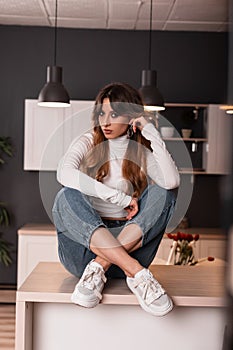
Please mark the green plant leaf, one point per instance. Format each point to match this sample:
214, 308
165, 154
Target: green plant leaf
4, 216
5, 252
5, 247
6, 147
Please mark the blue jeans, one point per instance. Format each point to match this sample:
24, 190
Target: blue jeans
76, 220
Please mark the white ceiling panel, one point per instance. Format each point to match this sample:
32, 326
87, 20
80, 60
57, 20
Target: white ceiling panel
144, 24
85, 23
129, 1
206, 15
22, 8
124, 10
121, 24
20, 20
160, 11
78, 8
199, 10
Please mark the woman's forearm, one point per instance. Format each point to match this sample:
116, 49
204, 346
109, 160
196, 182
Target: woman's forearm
160, 166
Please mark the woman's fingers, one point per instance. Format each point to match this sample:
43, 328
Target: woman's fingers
139, 123
132, 209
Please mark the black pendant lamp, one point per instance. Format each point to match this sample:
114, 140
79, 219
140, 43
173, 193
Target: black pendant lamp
53, 93
152, 98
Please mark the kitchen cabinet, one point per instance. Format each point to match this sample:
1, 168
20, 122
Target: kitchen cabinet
50, 131
35, 243
38, 243
209, 146
213, 247
218, 152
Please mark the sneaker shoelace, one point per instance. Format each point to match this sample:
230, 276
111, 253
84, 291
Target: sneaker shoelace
151, 289
93, 275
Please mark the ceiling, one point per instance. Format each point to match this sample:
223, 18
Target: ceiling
184, 15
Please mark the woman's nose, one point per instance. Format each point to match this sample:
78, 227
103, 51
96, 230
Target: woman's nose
107, 120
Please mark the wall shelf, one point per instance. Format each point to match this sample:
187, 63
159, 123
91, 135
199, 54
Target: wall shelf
193, 172
190, 139
195, 105
197, 172
209, 144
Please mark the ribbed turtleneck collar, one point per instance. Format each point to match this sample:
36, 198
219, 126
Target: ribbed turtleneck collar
118, 144
121, 140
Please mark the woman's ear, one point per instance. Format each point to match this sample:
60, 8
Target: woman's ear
130, 131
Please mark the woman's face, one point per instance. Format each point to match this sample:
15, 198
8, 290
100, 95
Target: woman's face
112, 124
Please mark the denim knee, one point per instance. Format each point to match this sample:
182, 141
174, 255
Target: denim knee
75, 217
154, 203
156, 191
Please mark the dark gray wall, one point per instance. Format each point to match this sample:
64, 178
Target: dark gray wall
192, 67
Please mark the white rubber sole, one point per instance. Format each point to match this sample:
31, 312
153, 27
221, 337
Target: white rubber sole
161, 311
85, 303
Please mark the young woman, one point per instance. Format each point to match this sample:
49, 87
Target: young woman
116, 201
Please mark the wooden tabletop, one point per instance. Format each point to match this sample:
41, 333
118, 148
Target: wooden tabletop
187, 285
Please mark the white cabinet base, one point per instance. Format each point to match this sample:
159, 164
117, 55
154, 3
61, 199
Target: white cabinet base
66, 326
47, 320
36, 243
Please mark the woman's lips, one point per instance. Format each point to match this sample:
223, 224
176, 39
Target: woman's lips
107, 131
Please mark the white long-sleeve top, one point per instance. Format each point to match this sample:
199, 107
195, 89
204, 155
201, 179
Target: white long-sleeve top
109, 198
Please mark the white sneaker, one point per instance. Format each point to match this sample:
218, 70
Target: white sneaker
88, 290
150, 294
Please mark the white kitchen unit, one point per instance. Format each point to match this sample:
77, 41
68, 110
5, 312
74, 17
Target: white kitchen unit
35, 243
38, 242
214, 247
215, 139
218, 151
47, 320
50, 131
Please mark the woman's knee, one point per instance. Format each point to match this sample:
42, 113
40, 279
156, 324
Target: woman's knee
155, 195
157, 191
67, 196
72, 198
169, 198
75, 217
156, 207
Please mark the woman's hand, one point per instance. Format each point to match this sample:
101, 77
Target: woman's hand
132, 208
139, 123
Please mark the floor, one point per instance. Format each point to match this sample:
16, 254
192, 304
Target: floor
7, 326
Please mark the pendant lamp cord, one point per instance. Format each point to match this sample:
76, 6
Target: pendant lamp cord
55, 36
150, 36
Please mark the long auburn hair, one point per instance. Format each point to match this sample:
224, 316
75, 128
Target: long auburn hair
124, 100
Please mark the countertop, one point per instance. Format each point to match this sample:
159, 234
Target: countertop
196, 286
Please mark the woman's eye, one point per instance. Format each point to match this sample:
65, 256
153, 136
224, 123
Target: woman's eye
114, 115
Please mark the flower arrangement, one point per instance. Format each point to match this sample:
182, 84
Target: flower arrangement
182, 248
